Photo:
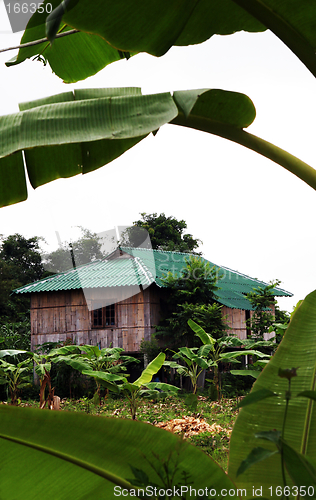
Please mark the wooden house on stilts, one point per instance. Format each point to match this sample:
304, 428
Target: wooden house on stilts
119, 300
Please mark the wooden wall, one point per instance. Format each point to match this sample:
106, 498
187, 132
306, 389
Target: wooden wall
58, 315
236, 320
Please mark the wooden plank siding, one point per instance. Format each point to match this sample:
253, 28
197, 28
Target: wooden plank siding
236, 322
55, 316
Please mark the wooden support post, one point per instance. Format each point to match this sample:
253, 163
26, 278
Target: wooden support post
56, 403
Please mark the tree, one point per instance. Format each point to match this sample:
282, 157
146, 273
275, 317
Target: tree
191, 296
24, 255
166, 233
261, 299
282, 320
20, 263
85, 249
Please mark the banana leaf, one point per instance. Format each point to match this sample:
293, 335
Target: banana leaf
126, 27
74, 362
151, 369
67, 349
205, 337
107, 26
162, 386
73, 133
106, 379
11, 352
231, 355
86, 457
245, 373
297, 349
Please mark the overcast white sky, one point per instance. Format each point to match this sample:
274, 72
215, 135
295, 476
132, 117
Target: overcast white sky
251, 214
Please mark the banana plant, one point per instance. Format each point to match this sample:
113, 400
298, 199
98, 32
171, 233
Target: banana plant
43, 365
15, 376
142, 386
110, 31
108, 363
284, 418
212, 353
257, 422
194, 362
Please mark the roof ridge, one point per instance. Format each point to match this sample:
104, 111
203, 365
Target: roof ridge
162, 251
139, 267
148, 274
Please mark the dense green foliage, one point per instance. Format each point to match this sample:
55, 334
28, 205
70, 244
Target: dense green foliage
261, 299
20, 264
191, 296
107, 366
167, 233
16, 335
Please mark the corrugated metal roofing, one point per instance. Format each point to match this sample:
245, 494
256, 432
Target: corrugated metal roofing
138, 266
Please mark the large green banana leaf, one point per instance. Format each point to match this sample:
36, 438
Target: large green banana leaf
61, 455
73, 57
155, 26
297, 350
73, 133
138, 26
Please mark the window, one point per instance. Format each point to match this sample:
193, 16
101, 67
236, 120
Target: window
110, 315
104, 316
97, 317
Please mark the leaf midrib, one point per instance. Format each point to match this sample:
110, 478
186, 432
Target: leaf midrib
283, 30
308, 418
113, 478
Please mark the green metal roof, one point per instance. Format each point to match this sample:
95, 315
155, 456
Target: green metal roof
138, 266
